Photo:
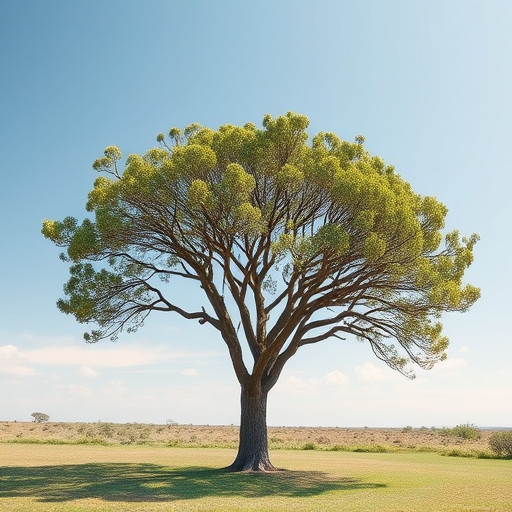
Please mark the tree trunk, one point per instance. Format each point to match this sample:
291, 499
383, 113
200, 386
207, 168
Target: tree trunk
253, 447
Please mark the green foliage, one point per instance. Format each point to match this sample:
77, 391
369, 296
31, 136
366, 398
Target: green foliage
464, 431
310, 240
330, 237
457, 452
467, 431
374, 448
40, 417
501, 444
199, 194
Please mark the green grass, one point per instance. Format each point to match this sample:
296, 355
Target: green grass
77, 478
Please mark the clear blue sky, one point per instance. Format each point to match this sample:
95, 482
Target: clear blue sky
429, 84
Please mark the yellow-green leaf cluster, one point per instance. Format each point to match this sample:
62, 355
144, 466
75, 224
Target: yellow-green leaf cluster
331, 237
194, 161
374, 247
199, 195
248, 218
237, 184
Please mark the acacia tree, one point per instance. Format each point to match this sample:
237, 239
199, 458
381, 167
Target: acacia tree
290, 243
40, 417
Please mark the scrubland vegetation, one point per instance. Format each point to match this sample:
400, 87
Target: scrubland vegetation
464, 440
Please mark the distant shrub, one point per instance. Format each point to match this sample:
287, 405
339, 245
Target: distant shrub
457, 452
373, 448
340, 448
106, 429
501, 444
408, 428
92, 441
464, 431
309, 446
475, 453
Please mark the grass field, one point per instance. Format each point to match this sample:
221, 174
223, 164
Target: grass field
73, 478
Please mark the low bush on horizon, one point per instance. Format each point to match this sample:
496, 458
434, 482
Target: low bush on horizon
501, 444
464, 431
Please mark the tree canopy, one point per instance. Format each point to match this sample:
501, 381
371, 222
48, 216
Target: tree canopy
40, 417
309, 240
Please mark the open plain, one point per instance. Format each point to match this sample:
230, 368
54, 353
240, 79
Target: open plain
79, 478
61, 467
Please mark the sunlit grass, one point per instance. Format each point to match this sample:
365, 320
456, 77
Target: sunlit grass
118, 478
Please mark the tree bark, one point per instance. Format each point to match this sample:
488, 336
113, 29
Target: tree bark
253, 445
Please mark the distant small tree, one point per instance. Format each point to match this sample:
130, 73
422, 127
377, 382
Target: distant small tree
40, 417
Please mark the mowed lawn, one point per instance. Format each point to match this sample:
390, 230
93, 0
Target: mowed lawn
124, 478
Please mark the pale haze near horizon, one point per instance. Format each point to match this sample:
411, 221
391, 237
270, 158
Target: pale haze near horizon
427, 83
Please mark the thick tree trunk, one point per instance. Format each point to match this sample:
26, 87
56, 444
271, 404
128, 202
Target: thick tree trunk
253, 447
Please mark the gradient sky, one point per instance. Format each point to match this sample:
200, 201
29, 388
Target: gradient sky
429, 84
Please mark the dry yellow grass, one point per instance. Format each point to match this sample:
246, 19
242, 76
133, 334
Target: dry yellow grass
227, 436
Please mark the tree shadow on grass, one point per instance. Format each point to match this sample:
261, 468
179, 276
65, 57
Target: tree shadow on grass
153, 483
